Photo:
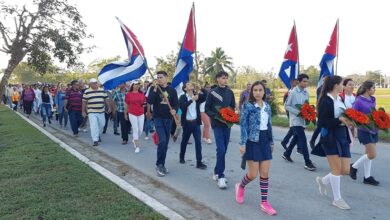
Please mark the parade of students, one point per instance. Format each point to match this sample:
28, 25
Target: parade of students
256, 144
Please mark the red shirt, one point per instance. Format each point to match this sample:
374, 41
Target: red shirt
135, 102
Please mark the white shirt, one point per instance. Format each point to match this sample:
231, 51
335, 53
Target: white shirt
191, 110
202, 106
349, 100
339, 106
264, 117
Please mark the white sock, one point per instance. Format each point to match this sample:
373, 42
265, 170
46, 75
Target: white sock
360, 161
335, 183
326, 179
367, 168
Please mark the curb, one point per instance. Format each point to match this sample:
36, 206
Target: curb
143, 197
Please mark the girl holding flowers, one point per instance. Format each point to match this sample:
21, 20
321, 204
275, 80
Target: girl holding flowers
256, 143
334, 138
365, 102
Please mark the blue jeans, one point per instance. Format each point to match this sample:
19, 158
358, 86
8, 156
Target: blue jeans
163, 129
75, 119
300, 140
222, 136
63, 116
194, 129
287, 138
45, 112
148, 126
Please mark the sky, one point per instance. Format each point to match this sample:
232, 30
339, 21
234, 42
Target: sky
252, 32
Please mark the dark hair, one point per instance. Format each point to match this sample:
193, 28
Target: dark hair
184, 86
162, 73
221, 73
73, 82
264, 81
213, 86
139, 89
329, 83
365, 86
252, 98
345, 82
302, 76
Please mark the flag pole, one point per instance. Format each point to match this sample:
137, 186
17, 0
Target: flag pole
176, 118
196, 53
296, 37
337, 49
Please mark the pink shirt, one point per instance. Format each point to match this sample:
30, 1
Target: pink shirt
135, 102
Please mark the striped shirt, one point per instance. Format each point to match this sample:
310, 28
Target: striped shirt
74, 98
95, 100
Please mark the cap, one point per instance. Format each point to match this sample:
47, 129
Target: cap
93, 80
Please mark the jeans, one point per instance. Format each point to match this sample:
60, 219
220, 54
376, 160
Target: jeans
63, 116
300, 140
96, 123
45, 111
75, 119
148, 126
287, 138
27, 105
163, 129
124, 125
194, 129
222, 136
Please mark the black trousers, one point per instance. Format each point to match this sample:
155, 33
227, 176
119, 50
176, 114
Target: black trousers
125, 125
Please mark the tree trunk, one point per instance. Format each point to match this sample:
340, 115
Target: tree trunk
12, 63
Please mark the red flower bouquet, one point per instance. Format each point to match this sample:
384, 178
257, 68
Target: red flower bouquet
358, 118
307, 112
381, 119
227, 115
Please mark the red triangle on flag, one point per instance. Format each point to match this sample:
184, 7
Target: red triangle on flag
292, 47
332, 46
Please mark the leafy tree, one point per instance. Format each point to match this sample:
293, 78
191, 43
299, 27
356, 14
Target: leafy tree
217, 62
53, 28
98, 64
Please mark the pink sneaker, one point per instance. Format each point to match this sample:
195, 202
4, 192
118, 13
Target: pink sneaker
267, 208
239, 194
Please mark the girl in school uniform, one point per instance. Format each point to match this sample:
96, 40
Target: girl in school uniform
335, 140
256, 143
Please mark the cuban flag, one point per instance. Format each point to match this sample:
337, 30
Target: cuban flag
116, 73
327, 61
289, 69
185, 60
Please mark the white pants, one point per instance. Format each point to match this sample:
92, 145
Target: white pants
96, 123
137, 123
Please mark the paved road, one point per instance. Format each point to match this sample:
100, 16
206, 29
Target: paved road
293, 191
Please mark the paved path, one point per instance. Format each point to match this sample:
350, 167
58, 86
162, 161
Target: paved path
293, 191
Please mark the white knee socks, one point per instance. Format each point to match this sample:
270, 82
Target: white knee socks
335, 183
367, 165
326, 179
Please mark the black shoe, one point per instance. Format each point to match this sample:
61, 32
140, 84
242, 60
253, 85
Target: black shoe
49, 121
44, 124
311, 143
95, 143
284, 145
287, 158
104, 131
116, 133
182, 161
310, 166
160, 170
352, 172
299, 151
100, 140
165, 170
371, 181
201, 166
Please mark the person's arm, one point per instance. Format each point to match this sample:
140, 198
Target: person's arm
290, 104
174, 100
84, 105
184, 102
233, 101
325, 115
152, 96
244, 122
209, 106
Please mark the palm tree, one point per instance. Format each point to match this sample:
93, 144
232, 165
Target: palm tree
217, 62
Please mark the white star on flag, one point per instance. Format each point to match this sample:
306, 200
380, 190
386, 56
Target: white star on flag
289, 48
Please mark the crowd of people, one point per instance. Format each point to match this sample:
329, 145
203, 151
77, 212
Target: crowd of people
156, 108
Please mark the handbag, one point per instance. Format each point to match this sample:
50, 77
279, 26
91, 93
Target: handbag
155, 138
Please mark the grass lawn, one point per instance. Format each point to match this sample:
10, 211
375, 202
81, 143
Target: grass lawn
283, 122
40, 180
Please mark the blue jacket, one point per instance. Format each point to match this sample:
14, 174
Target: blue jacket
250, 123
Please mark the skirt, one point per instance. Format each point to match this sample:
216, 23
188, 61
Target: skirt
342, 147
259, 151
367, 137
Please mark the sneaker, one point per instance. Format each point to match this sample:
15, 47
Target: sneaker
205, 140
160, 171
222, 183
267, 208
215, 177
352, 172
95, 143
310, 166
287, 158
182, 161
209, 141
240, 193
201, 166
321, 186
165, 170
146, 138
341, 204
137, 150
371, 181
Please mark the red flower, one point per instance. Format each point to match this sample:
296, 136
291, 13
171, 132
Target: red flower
381, 119
308, 112
357, 116
229, 115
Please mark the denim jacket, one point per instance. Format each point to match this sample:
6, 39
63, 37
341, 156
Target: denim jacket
250, 123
